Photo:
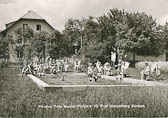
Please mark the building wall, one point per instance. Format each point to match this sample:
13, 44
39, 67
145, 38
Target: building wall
161, 57
32, 24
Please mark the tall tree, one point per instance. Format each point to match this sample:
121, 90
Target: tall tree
57, 46
130, 32
73, 33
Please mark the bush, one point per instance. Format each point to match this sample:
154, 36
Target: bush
4, 64
84, 61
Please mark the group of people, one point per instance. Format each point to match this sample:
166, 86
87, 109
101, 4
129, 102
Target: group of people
96, 70
149, 70
40, 69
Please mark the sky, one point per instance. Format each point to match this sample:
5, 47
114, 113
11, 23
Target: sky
57, 12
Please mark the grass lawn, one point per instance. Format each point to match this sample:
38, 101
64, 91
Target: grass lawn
20, 97
76, 79
133, 73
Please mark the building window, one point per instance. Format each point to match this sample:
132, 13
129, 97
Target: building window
25, 26
38, 27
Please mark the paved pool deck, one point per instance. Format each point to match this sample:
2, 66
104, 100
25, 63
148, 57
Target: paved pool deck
136, 81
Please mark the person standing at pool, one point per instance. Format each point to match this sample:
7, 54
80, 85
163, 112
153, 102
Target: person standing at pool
66, 65
158, 73
145, 72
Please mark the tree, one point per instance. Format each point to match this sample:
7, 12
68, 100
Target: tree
117, 30
4, 49
97, 52
39, 45
144, 35
164, 31
130, 32
24, 37
57, 46
90, 33
74, 33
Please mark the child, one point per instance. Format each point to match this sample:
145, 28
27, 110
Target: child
95, 74
90, 71
31, 68
41, 70
25, 70
107, 69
